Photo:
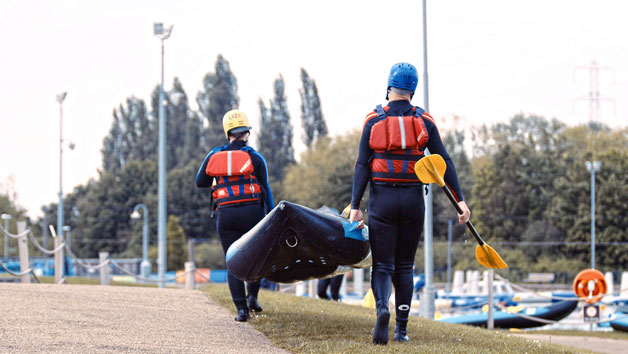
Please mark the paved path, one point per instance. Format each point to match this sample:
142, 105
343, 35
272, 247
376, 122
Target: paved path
594, 344
38, 318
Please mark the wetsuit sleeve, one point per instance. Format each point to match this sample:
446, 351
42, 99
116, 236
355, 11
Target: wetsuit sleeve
203, 180
435, 145
261, 173
361, 173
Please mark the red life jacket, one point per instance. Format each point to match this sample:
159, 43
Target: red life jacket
235, 177
398, 143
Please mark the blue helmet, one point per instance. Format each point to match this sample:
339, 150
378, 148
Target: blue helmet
403, 76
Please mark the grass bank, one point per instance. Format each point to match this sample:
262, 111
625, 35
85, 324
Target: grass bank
302, 325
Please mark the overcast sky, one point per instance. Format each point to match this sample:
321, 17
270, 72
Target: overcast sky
488, 60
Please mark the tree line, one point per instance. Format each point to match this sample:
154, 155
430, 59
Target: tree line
98, 211
525, 180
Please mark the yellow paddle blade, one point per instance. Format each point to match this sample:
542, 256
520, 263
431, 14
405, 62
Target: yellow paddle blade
431, 169
487, 257
346, 211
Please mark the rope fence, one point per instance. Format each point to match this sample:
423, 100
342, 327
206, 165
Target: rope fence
106, 264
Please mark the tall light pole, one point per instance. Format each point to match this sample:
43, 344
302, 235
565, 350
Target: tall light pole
6, 218
593, 167
60, 98
162, 34
427, 301
145, 265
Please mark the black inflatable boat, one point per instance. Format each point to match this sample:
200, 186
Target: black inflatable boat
294, 243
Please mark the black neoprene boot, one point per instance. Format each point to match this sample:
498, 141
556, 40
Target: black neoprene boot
380, 334
243, 315
253, 304
401, 332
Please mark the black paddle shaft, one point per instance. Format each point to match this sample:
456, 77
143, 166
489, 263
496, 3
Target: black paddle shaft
469, 224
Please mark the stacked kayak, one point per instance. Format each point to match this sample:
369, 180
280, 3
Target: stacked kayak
620, 323
501, 319
294, 243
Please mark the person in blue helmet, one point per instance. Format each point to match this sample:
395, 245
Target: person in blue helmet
242, 195
393, 139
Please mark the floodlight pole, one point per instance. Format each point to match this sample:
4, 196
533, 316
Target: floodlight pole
427, 301
162, 210
593, 167
60, 99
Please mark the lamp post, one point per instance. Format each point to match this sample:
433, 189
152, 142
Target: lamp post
6, 218
60, 99
593, 167
145, 265
427, 301
163, 34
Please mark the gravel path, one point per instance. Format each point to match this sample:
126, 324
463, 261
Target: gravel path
594, 344
37, 318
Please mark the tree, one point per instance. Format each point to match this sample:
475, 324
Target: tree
571, 211
177, 249
189, 203
183, 127
9, 205
275, 137
99, 211
219, 95
443, 211
324, 175
131, 136
514, 174
311, 115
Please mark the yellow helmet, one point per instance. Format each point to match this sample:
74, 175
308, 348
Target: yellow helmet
235, 121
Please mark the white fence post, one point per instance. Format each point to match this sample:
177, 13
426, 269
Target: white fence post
623, 285
104, 270
489, 285
358, 281
312, 283
189, 276
300, 289
22, 247
59, 259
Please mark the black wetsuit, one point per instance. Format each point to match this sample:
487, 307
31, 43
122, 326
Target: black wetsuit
234, 220
333, 283
395, 214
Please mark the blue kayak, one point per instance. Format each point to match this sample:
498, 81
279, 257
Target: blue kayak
501, 319
621, 322
294, 243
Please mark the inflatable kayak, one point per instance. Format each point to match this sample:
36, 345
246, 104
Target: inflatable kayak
294, 243
621, 322
501, 319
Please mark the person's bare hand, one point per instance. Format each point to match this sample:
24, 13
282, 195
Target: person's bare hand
466, 213
356, 215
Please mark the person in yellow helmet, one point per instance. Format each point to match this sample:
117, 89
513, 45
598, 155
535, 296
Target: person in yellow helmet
242, 196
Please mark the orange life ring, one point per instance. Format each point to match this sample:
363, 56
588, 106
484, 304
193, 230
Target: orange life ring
590, 285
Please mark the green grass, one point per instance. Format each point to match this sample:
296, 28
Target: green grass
597, 334
92, 281
302, 325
